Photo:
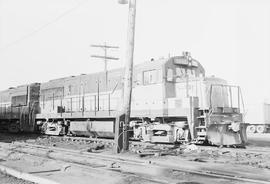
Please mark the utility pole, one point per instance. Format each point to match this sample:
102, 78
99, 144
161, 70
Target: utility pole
125, 112
105, 58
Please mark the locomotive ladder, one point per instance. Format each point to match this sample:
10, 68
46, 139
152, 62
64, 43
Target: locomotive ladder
201, 128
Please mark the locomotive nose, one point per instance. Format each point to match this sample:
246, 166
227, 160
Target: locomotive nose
233, 133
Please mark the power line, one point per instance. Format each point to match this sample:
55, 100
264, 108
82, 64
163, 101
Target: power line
43, 26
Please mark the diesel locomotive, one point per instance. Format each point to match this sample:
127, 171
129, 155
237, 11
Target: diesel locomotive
172, 101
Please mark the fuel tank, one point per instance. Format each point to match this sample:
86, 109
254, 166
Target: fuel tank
92, 128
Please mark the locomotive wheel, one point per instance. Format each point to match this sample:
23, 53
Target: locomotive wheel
260, 129
251, 129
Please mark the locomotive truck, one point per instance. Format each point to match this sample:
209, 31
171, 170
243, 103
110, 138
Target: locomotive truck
172, 101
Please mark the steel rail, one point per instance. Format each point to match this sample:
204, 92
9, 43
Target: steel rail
133, 161
89, 166
255, 150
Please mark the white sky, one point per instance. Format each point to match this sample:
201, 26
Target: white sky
231, 38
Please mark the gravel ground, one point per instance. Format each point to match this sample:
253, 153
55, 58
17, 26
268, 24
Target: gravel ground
199, 154
260, 140
191, 153
6, 179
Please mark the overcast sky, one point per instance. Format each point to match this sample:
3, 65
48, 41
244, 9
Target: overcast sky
47, 39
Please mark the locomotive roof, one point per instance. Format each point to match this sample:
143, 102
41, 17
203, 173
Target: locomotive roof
215, 80
118, 71
115, 72
143, 65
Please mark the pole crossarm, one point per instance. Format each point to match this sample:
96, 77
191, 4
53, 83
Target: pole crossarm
105, 57
105, 46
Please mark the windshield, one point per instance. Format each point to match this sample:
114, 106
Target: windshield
224, 96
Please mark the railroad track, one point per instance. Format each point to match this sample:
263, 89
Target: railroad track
129, 166
250, 149
255, 150
111, 141
75, 158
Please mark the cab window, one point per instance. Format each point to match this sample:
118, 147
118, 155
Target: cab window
190, 73
180, 72
149, 77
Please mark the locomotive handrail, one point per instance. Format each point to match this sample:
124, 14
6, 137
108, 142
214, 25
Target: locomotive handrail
210, 113
210, 97
91, 102
244, 110
239, 96
115, 87
226, 85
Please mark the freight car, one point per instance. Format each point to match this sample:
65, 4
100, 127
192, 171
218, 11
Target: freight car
260, 118
172, 101
18, 108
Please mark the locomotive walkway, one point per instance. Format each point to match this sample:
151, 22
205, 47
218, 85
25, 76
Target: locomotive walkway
66, 166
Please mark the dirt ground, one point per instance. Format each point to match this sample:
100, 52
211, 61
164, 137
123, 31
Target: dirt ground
259, 140
255, 156
6, 179
100, 172
256, 153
